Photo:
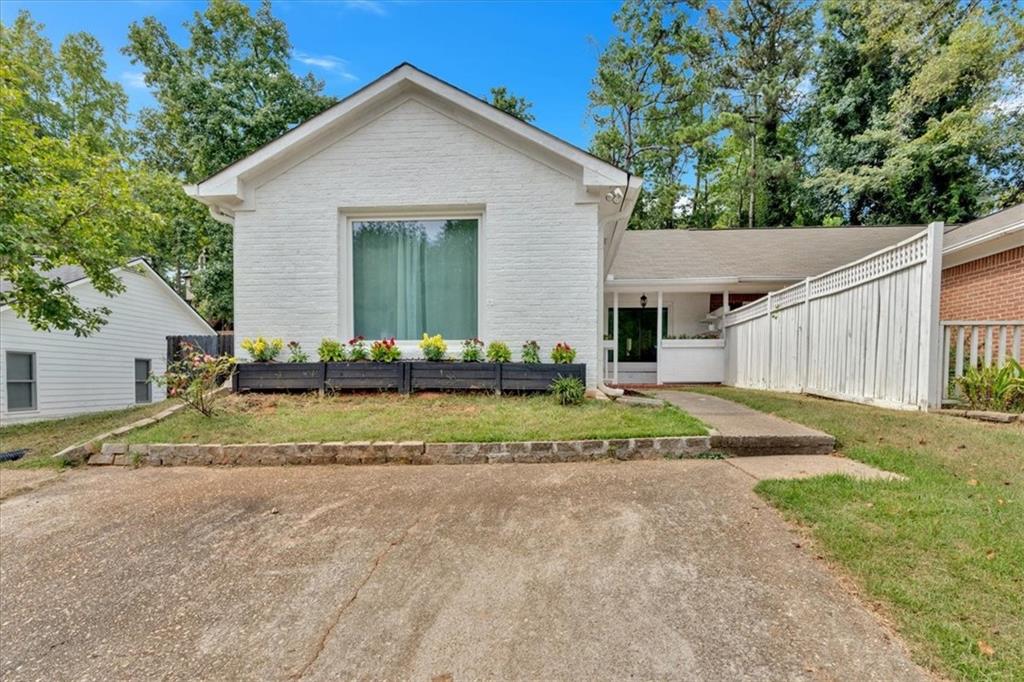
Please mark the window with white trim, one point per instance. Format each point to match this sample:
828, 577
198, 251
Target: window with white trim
21, 381
411, 277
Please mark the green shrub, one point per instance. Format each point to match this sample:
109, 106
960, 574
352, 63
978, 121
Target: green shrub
385, 350
472, 350
195, 377
434, 348
498, 351
331, 351
568, 390
563, 353
295, 352
994, 388
531, 353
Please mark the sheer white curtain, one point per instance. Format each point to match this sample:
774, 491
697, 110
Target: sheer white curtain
412, 277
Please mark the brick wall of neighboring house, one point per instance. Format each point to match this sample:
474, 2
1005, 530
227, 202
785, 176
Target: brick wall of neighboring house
990, 288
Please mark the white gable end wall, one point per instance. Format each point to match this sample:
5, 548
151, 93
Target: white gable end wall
540, 254
76, 375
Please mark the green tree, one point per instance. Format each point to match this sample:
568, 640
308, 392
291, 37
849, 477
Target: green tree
913, 115
220, 96
67, 194
61, 203
650, 105
510, 104
766, 55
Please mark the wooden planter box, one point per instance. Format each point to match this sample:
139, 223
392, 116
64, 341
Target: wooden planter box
403, 376
366, 376
519, 376
454, 376
278, 376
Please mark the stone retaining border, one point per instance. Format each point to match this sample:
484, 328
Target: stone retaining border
405, 452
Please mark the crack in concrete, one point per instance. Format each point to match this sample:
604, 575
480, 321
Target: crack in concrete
322, 643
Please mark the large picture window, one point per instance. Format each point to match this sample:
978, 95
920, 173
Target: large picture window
412, 277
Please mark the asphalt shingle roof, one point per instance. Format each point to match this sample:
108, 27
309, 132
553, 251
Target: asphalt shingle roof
781, 253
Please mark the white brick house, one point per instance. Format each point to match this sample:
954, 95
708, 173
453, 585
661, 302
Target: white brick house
411, 207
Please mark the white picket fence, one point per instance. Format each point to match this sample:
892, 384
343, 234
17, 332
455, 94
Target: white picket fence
865, 332
978, 343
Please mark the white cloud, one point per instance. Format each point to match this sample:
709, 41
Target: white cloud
334, 65
134, 79
371, 6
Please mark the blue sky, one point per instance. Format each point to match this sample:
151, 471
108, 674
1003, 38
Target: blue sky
545, 51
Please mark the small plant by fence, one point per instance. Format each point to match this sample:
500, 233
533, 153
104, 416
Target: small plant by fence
978, 344
220, 344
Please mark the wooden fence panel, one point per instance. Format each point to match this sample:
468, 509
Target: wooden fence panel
219, 344
865, 332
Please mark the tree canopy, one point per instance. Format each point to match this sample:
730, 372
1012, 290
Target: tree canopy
221, 95
796, 112
510, 104
68, 195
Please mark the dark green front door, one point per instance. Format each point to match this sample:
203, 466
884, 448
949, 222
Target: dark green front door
637, 330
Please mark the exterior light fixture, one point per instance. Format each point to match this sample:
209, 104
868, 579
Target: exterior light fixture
643, 301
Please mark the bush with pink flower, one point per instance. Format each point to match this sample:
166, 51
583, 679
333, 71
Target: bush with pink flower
194, 378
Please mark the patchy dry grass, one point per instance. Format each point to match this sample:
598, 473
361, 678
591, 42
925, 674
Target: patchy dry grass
46, 438
279, 418
943, 553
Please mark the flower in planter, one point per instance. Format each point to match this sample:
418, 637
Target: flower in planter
472, 350
295, 352
331, 350
563, 353
434, 348
385, 350
357, 349
498, 351
261, 349
531, 353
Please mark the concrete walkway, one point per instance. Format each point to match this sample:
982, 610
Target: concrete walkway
806, 466
743, 431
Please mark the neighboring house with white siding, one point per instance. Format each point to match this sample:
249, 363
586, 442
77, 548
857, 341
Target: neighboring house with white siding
412, 207
44, 375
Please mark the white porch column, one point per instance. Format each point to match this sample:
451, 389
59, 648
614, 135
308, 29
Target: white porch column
725, 303
657, 339
615, 337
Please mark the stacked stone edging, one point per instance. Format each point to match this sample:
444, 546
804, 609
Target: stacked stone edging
404, 452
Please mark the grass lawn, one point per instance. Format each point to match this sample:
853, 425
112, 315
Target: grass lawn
942, 554
255, 418
46, 438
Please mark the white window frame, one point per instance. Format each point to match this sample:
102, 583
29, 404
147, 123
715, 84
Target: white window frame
35, 381
136, 382
410, 347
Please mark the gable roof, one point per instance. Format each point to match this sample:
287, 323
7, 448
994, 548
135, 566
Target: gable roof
760, 254
73, 275
226, 188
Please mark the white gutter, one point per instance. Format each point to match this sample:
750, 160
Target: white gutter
982, 238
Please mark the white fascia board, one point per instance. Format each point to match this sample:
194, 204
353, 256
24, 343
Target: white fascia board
667, 283
227, 186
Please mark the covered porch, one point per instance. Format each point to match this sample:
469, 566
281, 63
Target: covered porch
669, 331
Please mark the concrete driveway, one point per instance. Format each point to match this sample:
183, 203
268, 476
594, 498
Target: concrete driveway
651, 570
